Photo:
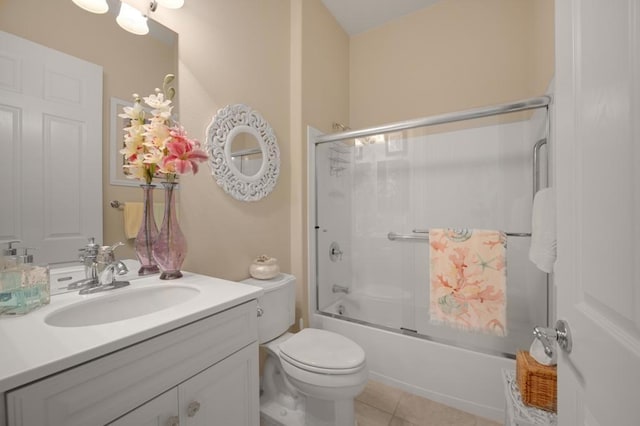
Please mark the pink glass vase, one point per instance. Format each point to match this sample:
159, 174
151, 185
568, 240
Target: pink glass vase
147, 234
170, 247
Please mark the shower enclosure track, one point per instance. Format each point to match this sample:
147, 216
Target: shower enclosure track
521, 105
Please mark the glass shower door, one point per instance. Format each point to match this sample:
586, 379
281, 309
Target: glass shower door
379, 197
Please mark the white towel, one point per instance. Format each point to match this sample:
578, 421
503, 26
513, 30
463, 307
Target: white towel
543, 230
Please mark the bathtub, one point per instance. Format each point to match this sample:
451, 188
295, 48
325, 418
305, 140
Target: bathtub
462, 378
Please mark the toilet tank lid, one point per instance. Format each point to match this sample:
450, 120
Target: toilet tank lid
271, 284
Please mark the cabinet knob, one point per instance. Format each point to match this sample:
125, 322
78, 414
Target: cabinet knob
173, 421
193, 408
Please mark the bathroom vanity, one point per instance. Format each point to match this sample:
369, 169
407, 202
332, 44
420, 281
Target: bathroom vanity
180, 352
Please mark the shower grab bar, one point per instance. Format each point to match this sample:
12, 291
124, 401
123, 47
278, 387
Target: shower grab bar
424, 235
508, 234
536, 165
522, 105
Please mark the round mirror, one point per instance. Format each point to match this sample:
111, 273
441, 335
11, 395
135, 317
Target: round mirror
243, 153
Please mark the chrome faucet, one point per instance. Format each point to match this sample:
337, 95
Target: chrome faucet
89, 258
108, 268
108, 275
340, 289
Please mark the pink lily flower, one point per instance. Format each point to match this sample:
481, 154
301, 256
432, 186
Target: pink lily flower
184, 153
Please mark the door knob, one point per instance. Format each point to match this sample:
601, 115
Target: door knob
560, 334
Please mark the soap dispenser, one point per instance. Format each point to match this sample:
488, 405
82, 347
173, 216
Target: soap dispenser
23, 286
9, 254
35, 276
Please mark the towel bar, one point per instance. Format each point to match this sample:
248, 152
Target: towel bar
424, 235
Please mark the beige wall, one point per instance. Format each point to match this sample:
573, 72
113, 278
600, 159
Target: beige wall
292, 62
233, 52
454, 55
130, 64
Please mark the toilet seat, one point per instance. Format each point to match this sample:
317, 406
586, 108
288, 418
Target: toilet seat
322, 352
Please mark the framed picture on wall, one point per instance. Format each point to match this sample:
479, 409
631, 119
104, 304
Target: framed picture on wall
116, 136
117, 175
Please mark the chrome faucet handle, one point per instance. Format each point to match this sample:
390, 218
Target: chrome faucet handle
106, 254
115, 246
105, 257
335, 253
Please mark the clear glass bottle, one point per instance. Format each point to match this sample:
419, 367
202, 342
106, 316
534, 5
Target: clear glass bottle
23, 285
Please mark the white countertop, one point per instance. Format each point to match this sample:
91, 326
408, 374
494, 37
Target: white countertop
30, 349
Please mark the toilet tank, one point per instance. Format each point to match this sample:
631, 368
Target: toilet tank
278, 305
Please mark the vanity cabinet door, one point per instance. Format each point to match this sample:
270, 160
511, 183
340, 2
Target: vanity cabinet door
160, 411
226, 393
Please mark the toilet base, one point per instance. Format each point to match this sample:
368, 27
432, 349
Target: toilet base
274, 414
329, 413
313, 413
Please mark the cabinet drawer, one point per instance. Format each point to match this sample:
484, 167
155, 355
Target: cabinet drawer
99, 391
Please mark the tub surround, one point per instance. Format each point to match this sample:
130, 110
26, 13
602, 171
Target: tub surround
34, 349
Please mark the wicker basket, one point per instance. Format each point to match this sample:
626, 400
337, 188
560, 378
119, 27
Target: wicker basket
538, 383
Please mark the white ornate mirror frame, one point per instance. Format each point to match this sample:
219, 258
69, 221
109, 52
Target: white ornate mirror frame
228, 123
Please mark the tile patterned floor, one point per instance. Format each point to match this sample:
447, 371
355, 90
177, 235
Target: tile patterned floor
383, 405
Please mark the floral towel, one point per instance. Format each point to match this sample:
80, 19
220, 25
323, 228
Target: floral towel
468, 279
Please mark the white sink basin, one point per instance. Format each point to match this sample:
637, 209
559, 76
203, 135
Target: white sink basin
121, 305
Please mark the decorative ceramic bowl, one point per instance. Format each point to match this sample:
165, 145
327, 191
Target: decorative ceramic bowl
264, 268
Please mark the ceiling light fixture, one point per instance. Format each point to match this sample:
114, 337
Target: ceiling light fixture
132, 20
171, 4
93, 6
133, 14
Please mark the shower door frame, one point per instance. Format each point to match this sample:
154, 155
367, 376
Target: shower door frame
315, 137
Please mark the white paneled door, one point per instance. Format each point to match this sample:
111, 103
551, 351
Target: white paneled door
51, 149
597, 140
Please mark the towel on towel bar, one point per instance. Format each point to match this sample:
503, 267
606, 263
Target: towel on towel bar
467, 274
132, 214
543, 230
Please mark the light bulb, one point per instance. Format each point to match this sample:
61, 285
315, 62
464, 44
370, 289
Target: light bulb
132, 20
93, 6
171, 4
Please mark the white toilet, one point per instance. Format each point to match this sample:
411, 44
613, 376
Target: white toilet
310, 377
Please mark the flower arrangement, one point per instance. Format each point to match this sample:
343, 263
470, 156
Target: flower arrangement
155, 146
